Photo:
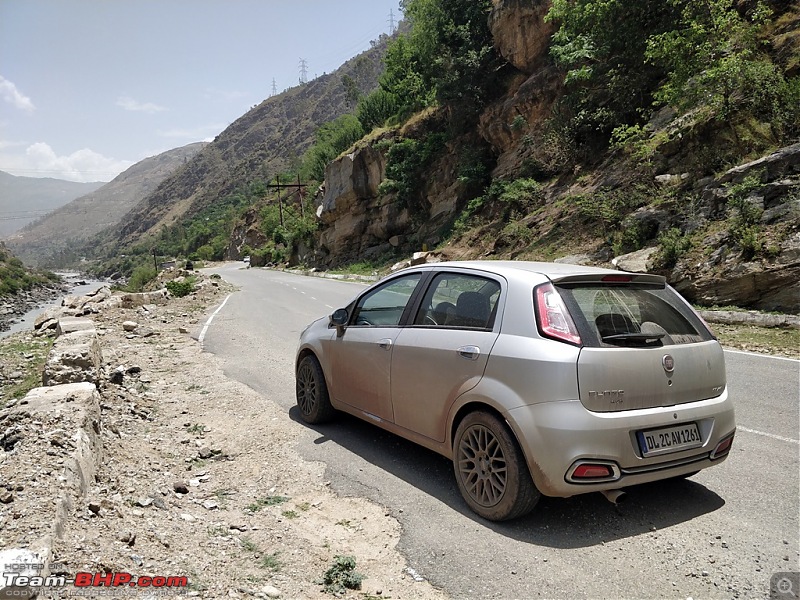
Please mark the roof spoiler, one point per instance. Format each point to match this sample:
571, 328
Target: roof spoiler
613, 278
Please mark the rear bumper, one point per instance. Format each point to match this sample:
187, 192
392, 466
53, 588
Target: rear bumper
556, 435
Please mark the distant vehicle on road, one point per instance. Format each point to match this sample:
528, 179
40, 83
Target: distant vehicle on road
533, 378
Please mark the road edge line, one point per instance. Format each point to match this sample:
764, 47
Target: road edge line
202, 335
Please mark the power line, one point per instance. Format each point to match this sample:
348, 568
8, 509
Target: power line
391, 21
274, 87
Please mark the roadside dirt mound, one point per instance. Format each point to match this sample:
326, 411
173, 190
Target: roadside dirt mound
199, 478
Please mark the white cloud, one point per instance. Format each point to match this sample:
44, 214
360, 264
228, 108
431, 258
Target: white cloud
40, 160
129, 103
10, 93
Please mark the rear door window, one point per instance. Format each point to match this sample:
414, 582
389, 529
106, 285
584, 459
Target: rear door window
630, 315
457, 300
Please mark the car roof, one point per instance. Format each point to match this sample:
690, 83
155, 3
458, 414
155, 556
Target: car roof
513, 267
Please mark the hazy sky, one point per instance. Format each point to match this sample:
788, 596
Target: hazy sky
90, 87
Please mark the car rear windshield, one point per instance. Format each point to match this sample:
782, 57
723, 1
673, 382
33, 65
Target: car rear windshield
632, 315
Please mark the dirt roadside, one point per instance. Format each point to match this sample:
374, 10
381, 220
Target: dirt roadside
198, 478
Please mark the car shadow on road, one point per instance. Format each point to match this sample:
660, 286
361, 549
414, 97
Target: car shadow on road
577, 522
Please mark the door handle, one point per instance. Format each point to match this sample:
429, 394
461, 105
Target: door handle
385, 343
469, 352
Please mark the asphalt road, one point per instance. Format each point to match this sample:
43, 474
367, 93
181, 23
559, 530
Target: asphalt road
722, 534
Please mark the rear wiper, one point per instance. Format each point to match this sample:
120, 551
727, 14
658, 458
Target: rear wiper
641, 338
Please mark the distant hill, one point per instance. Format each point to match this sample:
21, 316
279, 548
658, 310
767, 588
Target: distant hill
59, 231
24, 199
266, 140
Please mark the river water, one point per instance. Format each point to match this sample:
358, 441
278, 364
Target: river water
27, 320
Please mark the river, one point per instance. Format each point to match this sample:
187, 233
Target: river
79, 286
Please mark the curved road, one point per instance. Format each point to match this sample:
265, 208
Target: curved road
722, 534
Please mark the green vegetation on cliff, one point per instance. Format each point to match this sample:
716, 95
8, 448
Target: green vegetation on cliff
16, 277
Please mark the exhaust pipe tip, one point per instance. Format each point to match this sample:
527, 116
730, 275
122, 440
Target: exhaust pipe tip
616, 497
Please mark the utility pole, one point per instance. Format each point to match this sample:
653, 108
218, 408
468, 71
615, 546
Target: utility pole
279, 186
300, 193
155, 260
274, 87
391, 21
280, 202
303, 70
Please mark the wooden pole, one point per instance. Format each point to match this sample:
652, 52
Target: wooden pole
280, 203
300, 194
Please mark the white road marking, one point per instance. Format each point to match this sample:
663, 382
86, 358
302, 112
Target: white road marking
312, 297
762, 355
328, 306
211, 318
769, 435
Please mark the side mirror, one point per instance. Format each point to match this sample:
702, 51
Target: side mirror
339, 319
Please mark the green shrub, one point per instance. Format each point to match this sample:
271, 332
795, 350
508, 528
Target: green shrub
515, 233
406, 162
673, 244
521, 194
342, 576
179, 289
607, 208
744, 216
142, 275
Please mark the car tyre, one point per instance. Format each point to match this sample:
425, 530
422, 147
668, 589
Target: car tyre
311, 392
490, 469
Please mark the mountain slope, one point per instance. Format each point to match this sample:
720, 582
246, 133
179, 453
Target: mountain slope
102, 208
266, 140
30, 197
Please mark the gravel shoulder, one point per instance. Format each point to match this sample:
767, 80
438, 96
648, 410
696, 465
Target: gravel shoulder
198, 478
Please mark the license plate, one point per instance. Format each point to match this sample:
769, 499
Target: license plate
669, 439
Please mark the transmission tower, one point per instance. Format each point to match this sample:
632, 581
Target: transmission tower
391, 22
303, 70
274, 87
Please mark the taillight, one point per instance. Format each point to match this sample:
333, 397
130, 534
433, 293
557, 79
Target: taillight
590, 471
722, 448
552, 317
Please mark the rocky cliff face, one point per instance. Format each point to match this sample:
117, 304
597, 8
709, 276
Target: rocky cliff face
358, 222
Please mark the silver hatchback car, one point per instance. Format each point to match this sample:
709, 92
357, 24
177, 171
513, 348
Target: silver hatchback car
533, 378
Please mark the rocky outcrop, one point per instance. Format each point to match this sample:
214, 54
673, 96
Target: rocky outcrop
357, 221
771, 280
246, 233
520, 33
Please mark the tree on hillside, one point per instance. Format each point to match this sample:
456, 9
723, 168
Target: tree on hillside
620, 57
716, 59
332, 139
601, 45
447, 57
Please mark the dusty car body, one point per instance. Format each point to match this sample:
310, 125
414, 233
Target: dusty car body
533, 378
